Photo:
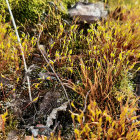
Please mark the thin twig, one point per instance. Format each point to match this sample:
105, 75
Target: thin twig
44, 55
54, 129
85, 104
86, 101
21, 48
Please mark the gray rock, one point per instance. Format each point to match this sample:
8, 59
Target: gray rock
89, 12
49, 102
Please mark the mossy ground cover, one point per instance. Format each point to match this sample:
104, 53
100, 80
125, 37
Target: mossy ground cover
97, 70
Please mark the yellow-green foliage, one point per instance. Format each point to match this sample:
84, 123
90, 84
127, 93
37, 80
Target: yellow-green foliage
28, 10
100, 62
105, 55
96, 64
2, 122
112, 51
24, 10
10, 56
8, 50
98, 124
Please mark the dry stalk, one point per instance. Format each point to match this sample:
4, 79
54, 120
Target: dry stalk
21, 49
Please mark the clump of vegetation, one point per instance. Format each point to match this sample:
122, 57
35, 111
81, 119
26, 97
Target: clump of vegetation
99, 124
94, 68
